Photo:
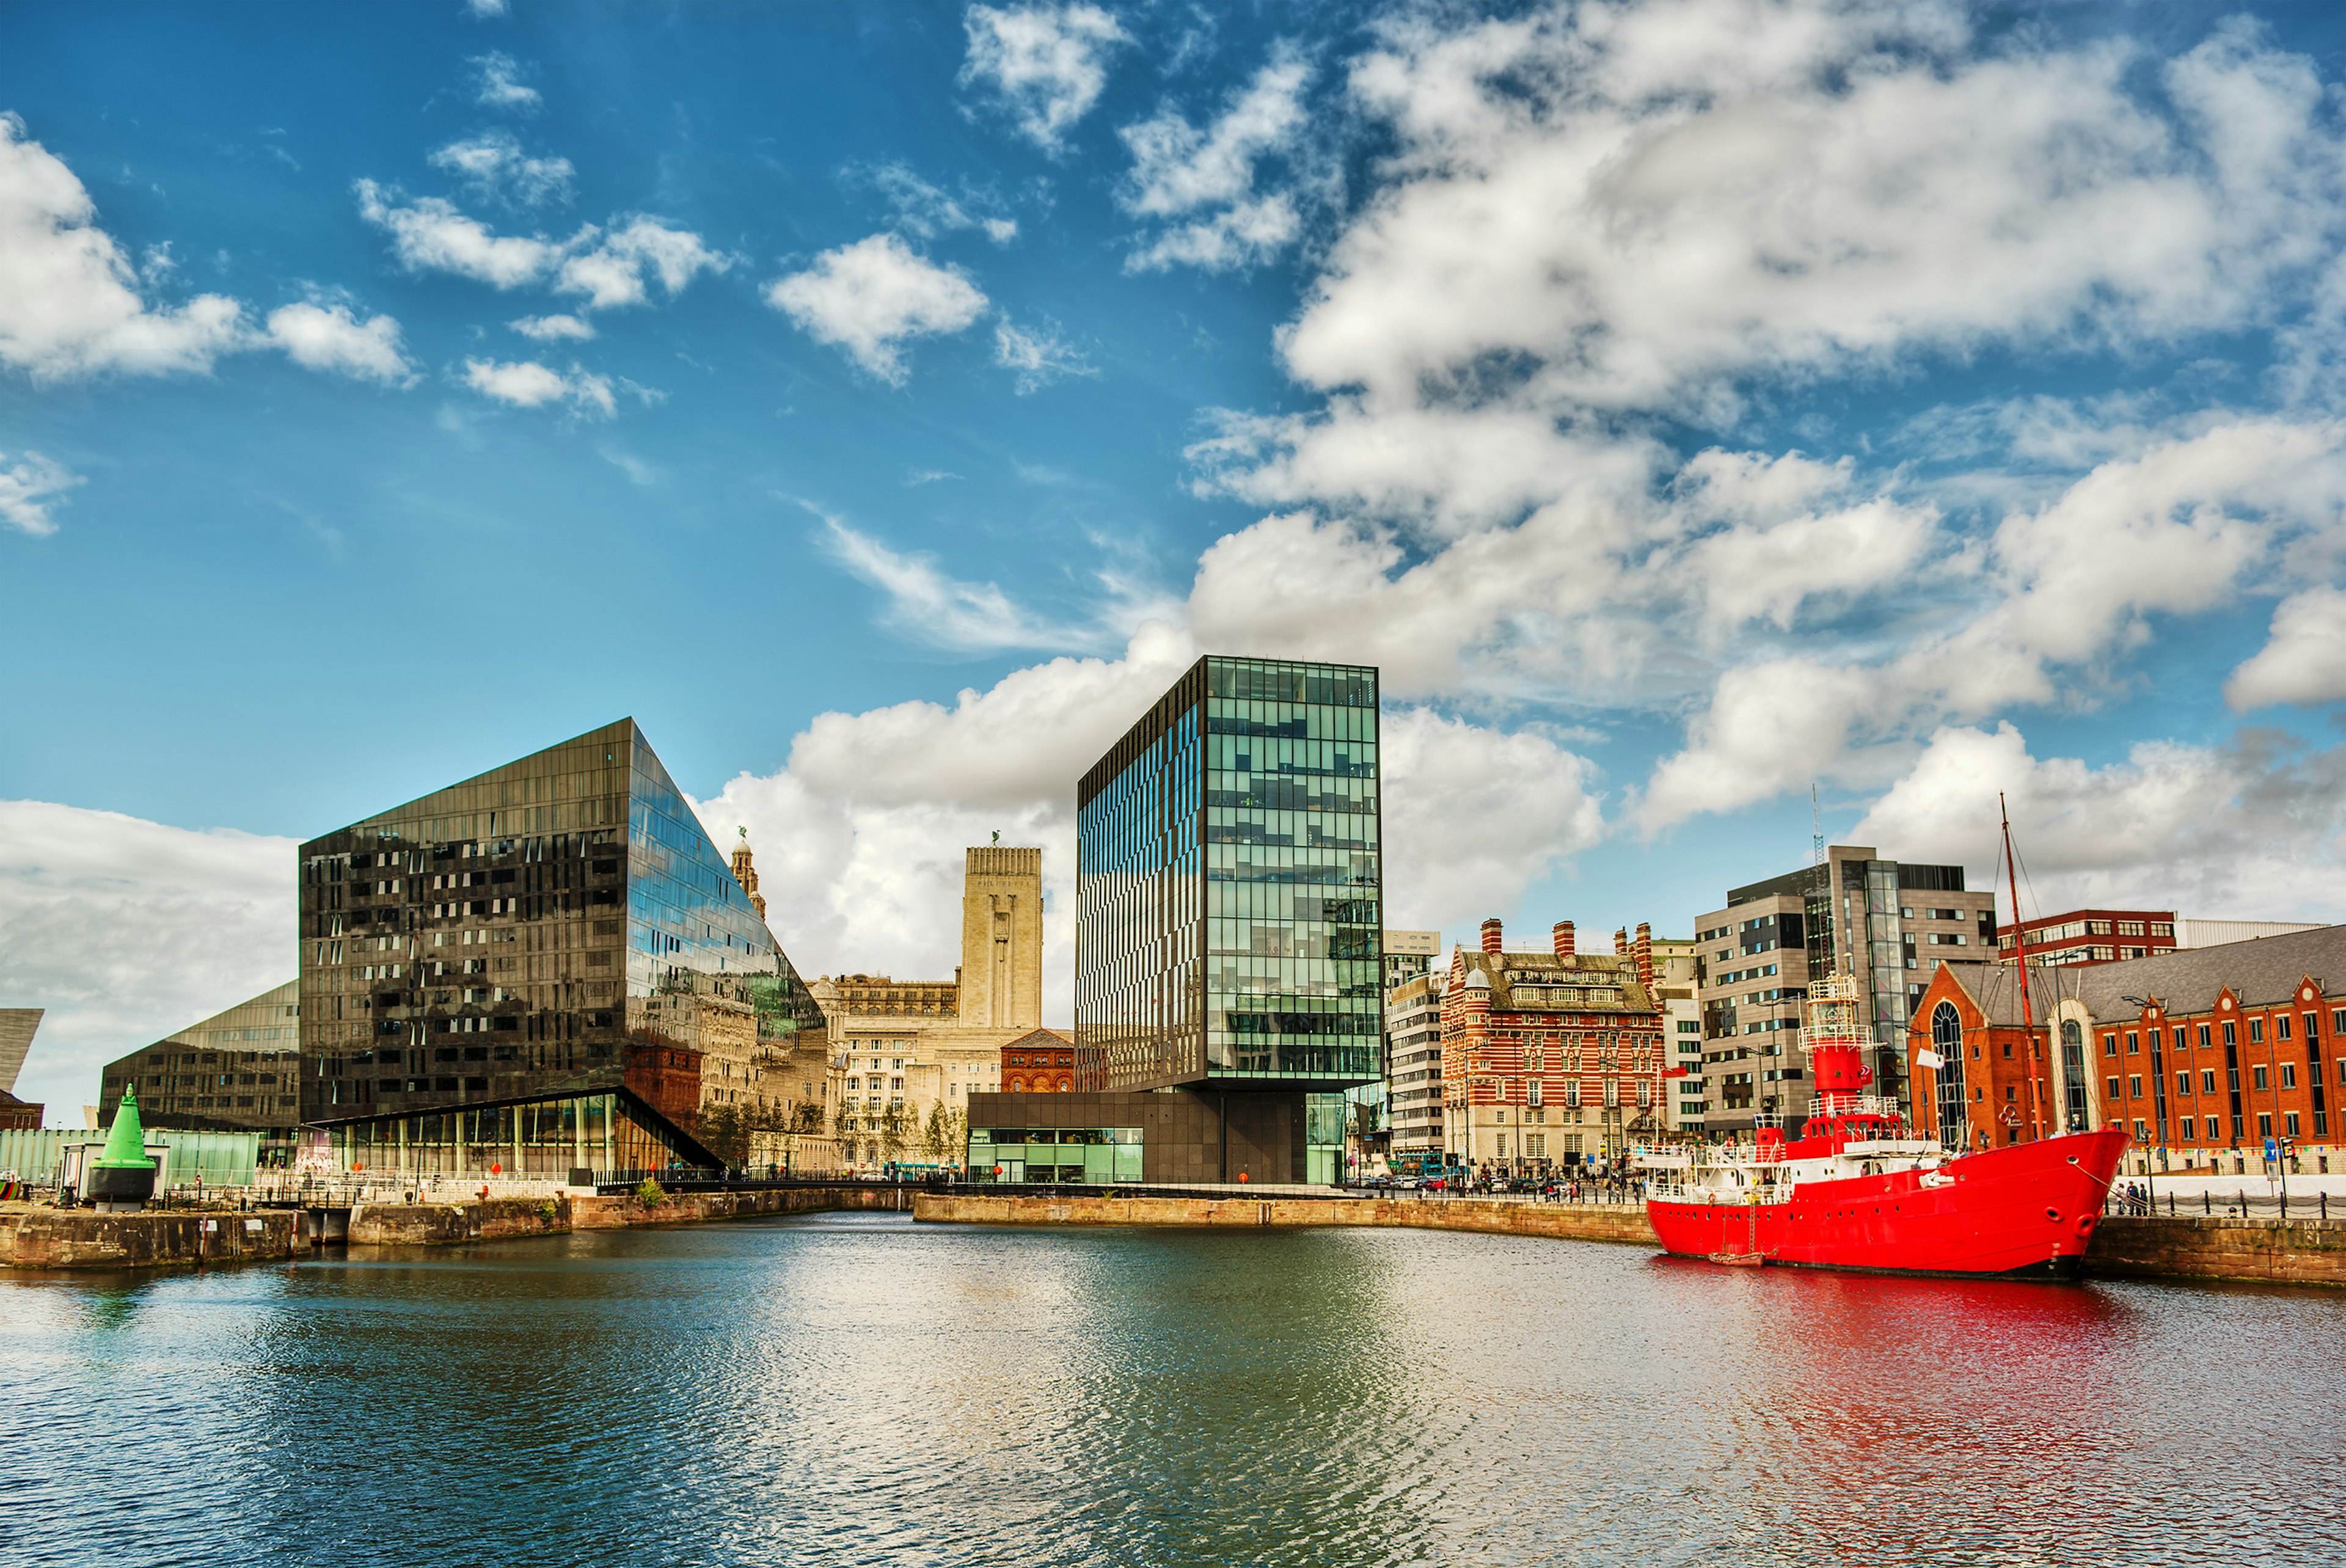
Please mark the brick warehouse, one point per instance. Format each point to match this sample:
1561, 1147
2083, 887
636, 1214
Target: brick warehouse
1550, 1058
2201, 1053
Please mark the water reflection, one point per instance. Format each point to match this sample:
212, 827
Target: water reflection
857, 1390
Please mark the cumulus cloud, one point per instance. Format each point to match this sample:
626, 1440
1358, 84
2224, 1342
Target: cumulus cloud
70, 301
497, 84
1201, 183
2303, 662
494, 168
610, 267
619, 268
1040, 357
330, 338
871, 296
28, 487
528, 384
2247, 830
430, 235
125, 930
485, 10
1044, 66
554, 328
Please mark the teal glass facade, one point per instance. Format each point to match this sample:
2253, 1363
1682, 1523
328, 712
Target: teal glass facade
1095, 1156
1230, 884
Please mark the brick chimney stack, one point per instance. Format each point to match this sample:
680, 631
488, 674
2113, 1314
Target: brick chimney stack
1491, 934
1645, 953
1621, 941
1564, 941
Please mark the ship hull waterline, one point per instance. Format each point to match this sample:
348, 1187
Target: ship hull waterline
2021, 1211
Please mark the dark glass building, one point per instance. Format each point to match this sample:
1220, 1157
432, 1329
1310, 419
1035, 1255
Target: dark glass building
533, 970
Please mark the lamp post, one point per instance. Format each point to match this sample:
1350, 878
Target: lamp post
2150, 1185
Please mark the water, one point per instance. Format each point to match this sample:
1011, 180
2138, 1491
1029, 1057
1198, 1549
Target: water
853, 1389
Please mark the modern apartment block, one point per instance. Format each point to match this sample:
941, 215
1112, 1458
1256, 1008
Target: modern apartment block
544, 968
2090, 936
1676, 987
1414, 1078
1886, 922
1229, 906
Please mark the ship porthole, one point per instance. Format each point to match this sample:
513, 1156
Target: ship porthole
2073, 1160
2053, 1214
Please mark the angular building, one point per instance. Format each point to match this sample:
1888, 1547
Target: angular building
545, 968
237, 1070
1228, 905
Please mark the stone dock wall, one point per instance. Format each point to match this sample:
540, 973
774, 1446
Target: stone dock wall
1565, 1221
36, 1237
2296, 1252
40, 1237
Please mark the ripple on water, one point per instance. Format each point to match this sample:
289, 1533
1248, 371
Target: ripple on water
854, 1390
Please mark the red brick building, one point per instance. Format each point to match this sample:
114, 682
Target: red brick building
2201, 1053
2093, 936
1550, 1059
1042, 1063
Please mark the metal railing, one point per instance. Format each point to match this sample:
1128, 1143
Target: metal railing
2240, 1204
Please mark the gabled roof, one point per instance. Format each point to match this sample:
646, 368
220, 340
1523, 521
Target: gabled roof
1041, 1039
1506, 970
2186, 981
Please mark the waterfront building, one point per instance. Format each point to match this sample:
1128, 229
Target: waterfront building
546, 967
1228, 912
1677, 988
1550, 1059
18, 1026
235, 1070
908, 1054
2201, 1053
2090, 936
1041, 1063
1409, 955
1413, 1044
2222, 932
1368, 1130
1888, 922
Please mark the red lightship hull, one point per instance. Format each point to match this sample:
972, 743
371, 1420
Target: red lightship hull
2024, 1209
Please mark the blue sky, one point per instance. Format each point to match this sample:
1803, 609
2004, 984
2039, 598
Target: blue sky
1683, 403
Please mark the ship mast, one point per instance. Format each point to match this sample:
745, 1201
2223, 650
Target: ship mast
2020, 950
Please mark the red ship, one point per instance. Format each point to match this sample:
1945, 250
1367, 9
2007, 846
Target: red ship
1857, 1190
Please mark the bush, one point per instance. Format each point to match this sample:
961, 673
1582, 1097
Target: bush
651, 1195
546, 1211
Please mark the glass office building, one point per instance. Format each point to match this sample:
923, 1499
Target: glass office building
1229, 890
532, 969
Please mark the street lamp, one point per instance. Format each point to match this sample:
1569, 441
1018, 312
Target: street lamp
2150, 1184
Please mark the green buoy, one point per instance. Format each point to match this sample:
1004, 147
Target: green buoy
123, 1176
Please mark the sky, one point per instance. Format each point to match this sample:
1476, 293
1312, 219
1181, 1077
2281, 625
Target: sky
1687, 405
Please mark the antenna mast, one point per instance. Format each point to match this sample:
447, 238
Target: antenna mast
2020, 952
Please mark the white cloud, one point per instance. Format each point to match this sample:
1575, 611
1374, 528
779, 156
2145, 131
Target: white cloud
497, 83
330, 338
926, 604
29, 488
485, 10
1202, 183
2256, 830
494, 168
554, 328
926, 210
429, 235
870, 297
611, 268
2303, 662
618, 269
528, 384
1045, 66
127, 930
1040, 357
69, 302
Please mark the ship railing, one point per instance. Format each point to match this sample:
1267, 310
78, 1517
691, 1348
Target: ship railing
1859, 1036
1853, 1105
1743, 1154
1678, 1192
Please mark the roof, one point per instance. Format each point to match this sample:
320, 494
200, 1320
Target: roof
1506, 970
1040, 1040
2186, 981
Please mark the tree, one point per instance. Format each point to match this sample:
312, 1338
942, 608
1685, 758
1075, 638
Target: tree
806, 1116
894, 1125
934, 1136
842, 1120
726, 1132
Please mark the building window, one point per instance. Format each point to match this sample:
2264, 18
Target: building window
2110, 1045
2288, 1123
2114, 1088
2264, 1123
2256, 1030
2258, 1074
2281, 1026
2288, 1074
2133, 1044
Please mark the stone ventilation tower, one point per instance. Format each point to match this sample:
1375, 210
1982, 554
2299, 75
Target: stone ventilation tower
1567, 944
1002, 939
746, 873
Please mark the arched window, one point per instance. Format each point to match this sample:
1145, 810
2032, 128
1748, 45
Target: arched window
2073, 1076
1947, 1040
